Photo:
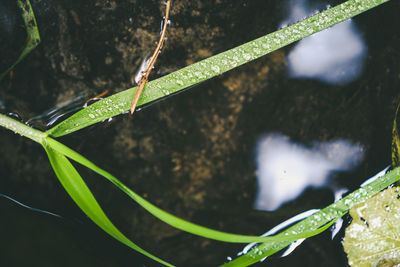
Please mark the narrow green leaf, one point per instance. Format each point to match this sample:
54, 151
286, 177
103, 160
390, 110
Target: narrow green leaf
176, 221
78, 190
211, 67
318, 219
31, 30
83, 197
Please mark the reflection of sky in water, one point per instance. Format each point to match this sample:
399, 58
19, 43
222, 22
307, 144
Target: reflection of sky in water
334, 55
285, 169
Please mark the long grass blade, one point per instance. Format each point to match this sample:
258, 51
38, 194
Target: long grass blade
211, 67
74, 184
78, 190
178, 222
320, 218
83, 197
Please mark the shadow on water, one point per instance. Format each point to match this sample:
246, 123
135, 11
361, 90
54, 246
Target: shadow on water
240, 153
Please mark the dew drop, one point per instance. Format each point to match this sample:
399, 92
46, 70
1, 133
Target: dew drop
215, 68
265, 46
257, 51
246, 56
347, 202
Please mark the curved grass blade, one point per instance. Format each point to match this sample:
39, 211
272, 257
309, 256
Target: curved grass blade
51, 144
176, 221
78, 190
318, 219
211, 67
83, 197
31, 30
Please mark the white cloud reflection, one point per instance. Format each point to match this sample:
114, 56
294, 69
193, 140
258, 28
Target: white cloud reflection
334, 56
285, 169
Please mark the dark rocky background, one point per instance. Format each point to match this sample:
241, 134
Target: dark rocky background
192, 154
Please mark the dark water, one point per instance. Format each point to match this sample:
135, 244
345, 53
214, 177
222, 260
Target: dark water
197, 154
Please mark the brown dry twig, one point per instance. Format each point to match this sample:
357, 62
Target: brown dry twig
97, 97
153, 59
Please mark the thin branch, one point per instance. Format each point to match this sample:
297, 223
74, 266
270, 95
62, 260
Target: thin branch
153, 59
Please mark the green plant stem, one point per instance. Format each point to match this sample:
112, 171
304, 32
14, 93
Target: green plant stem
22, 129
